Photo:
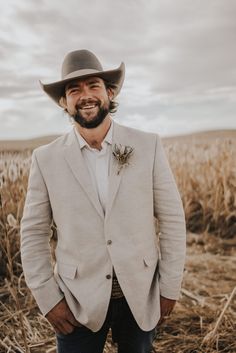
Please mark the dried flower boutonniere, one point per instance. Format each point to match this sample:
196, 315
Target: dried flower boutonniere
122, 154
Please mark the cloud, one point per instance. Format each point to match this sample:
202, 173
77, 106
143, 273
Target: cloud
180, 58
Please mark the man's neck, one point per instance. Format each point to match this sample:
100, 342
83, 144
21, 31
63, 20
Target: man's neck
94, 137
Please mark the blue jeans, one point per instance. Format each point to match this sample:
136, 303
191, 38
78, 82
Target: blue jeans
125, 332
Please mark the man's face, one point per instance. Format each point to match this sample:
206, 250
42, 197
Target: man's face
87, 101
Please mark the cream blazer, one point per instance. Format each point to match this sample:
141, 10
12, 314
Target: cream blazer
91, 244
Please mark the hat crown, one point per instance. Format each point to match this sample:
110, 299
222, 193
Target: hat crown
80, 60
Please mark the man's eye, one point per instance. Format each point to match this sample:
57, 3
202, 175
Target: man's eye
95, 85
74, 90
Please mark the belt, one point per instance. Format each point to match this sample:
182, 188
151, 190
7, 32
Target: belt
116, 291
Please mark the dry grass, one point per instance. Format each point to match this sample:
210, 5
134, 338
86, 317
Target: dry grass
206, 176
204, 318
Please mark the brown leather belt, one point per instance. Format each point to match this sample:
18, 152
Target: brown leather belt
116, 291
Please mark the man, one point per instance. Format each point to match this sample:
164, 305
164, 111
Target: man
102, 184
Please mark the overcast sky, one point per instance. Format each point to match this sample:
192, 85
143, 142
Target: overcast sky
180, 58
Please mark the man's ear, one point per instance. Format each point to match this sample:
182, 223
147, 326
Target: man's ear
62, 103
110, 92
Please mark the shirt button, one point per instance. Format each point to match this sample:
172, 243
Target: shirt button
108, 276
109, 242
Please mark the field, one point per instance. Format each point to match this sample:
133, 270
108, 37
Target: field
204, 319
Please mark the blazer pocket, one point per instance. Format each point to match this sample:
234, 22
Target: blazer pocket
68, 271
150, 261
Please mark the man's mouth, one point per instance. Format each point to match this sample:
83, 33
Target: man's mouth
88, 106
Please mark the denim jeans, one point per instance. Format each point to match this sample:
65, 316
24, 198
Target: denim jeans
125, 332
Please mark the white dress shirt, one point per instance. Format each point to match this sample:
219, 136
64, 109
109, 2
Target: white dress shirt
98, 164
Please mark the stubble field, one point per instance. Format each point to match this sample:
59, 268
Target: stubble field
204, 319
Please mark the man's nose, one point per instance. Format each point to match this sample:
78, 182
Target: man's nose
85, 92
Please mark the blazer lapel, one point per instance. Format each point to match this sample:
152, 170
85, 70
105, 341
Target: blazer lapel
114, 178
75, 160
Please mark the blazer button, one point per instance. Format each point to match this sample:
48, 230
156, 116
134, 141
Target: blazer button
109, 242
108, 276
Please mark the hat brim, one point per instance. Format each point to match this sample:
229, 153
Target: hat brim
115, 77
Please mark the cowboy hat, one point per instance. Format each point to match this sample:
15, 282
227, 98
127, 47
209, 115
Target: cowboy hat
81, 64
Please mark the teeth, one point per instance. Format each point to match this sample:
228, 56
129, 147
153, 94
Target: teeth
89, 106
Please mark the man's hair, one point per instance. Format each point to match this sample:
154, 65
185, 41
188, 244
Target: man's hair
113, 104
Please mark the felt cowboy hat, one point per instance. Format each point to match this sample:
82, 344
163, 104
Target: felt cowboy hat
81, 64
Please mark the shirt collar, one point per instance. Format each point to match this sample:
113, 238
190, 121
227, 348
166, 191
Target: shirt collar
83, 143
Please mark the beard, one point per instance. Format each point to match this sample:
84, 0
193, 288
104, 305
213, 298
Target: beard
95, 121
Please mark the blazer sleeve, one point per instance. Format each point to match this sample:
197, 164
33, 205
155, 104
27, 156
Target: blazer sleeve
168, 209
35, 247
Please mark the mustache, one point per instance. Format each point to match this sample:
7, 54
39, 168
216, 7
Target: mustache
84, 102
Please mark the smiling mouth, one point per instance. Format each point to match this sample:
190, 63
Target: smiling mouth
88, 106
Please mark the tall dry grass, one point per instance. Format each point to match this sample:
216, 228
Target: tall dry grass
205, 174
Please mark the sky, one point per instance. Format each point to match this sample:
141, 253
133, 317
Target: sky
180, 58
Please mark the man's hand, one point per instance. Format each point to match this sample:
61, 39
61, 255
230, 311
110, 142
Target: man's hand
167, 305
62, 319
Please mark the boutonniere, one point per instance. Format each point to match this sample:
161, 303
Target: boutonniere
122, 155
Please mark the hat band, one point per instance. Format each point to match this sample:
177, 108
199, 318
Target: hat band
80, 73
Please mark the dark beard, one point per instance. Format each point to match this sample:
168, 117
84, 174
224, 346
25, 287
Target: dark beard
97, 120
